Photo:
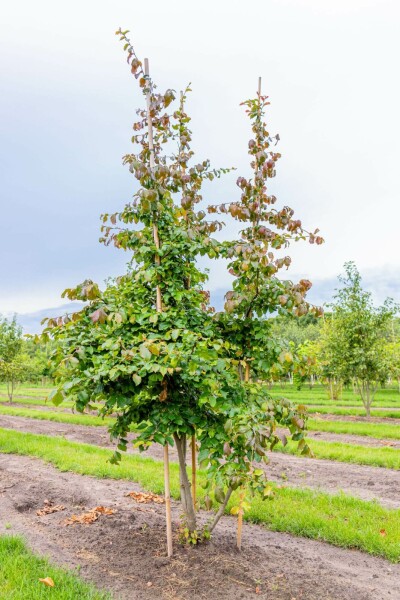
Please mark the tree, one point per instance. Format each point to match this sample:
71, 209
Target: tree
12, 365
306, 364
297, 330
354, 338
149, 347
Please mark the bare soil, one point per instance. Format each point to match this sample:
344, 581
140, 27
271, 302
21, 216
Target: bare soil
125, 552
367, 483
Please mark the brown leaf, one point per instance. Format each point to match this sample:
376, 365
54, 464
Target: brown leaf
98, 316
143, 498
90, 517
47, 581
48, 509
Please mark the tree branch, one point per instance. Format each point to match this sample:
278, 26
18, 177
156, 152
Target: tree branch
221, 509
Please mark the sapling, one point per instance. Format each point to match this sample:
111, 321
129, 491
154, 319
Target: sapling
150, 349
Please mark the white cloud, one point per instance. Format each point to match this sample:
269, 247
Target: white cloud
67, 103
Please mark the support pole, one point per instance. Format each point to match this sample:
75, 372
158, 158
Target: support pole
240, 522
194, 469
167, 495
167, 491
193, 443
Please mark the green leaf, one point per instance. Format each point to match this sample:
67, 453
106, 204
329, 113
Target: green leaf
57, 397
137, 379
219, 494
144, 352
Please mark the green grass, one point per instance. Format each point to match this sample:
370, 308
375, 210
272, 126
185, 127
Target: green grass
374, 430
318, 394
35, 402
388, 458
338, 519
59, 417
20, 571
351, 453
355, 412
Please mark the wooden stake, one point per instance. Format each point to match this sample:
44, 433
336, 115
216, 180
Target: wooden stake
246, 380
194, 469
167, 494
167, 491
152, 164
247, 372
194, 463
240, 522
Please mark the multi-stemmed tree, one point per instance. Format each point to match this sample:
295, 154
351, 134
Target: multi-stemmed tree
354, 338
150, 349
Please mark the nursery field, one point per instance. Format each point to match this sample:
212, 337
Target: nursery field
336, 516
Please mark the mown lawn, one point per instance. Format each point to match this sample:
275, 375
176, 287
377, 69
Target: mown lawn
318, 395
20, 571
374, 430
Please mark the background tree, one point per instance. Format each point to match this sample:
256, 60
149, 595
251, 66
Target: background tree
296, 329
354, 338
13, 364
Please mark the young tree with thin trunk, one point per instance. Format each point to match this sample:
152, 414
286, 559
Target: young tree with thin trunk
354, 338
15, 365
150, 349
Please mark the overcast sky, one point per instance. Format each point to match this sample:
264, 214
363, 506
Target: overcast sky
67, 102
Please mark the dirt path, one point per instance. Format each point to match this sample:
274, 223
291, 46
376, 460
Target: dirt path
125, 552
367, 483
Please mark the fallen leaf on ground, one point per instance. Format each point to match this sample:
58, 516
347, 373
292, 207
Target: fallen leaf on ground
47, 581
104, 511
143, 498
258, 589
89, 517
49, 508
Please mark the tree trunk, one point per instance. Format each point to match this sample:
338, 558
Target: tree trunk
185, 487
366, 396
10, 390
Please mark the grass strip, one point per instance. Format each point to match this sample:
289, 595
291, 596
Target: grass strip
388, 458
20, 571
34, 401
355, 412
58, 417
339, 519
375, 430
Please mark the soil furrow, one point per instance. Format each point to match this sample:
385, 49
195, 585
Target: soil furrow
125, 552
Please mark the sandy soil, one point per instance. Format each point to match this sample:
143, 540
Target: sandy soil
365, 482
125, 552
